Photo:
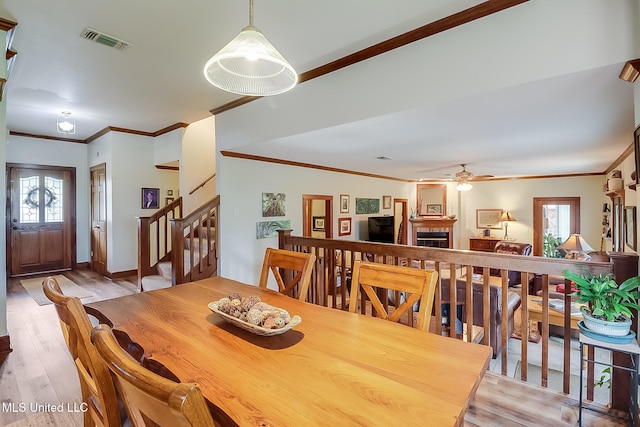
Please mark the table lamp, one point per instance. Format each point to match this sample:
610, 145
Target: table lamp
576, 247
506, 218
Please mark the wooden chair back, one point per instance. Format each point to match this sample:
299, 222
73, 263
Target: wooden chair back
98, 390
409, 284
276, 260
149, 398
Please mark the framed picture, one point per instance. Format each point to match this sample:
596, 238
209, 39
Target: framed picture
168, 201
488, 218
345, 200
273, 204
318, 223
344, 226
150, 198
169, 192
630, 226
367, 206
434, 209
386, 202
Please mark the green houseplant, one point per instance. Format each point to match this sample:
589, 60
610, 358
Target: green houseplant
608, 304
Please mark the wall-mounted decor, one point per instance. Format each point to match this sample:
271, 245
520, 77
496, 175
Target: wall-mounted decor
345, 200
273, 204
488, 218
168, 201
318, 223
434, 209
630, 226
636, 147
367, 206
169, 192
266, 229
150, 198
386, 202
344, 226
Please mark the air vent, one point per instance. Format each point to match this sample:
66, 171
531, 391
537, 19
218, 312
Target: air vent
104, 39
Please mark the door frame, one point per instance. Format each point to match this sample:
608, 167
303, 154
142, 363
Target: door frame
72, 240
306, 214
538, 202
101, 166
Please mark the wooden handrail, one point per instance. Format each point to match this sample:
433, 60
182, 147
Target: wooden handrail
335, 258
202, 184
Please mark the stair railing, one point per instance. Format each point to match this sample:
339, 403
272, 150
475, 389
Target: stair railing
195, 244
154, 239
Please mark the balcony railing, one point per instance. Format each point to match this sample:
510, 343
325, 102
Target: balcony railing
335, 258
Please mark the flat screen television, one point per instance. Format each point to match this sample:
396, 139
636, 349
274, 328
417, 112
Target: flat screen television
381, 229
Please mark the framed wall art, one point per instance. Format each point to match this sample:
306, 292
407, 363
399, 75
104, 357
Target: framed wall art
367, 206
273, 204
386, 202
150, 198
265, 229
434, 209
488, 218
318, 223
344, 226
630, 226
345, 200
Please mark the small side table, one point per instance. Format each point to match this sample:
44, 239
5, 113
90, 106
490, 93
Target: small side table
633, 351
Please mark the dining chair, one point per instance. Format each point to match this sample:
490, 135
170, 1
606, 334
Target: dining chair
276, 260
408, 285
150, 399
98, 390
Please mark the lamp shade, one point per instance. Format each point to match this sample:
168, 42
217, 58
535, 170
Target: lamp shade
250, 65
506, 216
464, 186
66, 123
575, 243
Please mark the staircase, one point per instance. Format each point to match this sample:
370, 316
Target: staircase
174, 250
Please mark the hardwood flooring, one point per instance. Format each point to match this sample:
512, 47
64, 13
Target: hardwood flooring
40, 370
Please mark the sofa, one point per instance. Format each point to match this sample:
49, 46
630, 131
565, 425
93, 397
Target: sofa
511, 248
499, 315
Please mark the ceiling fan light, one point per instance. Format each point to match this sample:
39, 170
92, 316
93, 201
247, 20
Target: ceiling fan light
250, 65
464, 186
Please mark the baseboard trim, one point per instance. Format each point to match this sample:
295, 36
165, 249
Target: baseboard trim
83, 265
122, 274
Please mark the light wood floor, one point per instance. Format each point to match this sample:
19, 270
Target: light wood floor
40, 369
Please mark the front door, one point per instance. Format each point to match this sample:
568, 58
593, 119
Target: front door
41, 221
99, 219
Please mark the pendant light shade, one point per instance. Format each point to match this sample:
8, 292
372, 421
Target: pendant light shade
66, 123
250, 65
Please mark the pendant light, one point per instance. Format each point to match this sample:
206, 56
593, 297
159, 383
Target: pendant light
250, 65
66, 123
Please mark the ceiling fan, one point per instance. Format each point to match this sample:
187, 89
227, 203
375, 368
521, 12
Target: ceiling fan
464, 176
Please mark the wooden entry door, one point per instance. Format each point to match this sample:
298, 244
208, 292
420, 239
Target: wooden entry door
41, 220
99, 219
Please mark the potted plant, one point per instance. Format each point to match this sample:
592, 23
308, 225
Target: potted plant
608, 305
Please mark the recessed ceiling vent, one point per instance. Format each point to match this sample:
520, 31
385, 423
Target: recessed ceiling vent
104, 39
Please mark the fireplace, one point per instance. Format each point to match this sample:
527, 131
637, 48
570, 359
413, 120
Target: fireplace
433, 232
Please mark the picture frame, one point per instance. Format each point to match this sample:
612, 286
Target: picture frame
273, 204
150, 198
344, 226
345, 201
318, 223
168, 201
386, 202
434, 209
488, 218
169, 192
630, 226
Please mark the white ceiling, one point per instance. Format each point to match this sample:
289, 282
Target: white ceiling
578, 123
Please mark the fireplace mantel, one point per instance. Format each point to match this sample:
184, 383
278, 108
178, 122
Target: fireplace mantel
432, 224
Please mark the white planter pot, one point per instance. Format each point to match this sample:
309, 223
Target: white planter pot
604, 327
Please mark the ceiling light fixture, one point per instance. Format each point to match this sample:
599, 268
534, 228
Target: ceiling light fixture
66, 123
250, 65
464, 186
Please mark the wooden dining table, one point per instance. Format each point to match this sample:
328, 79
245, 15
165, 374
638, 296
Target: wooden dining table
334, 369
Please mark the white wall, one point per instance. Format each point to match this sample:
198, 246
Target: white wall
57, 153
241, 184
517, 196
198, 163
130, 163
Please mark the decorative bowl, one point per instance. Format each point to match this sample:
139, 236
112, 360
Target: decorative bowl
255, 329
